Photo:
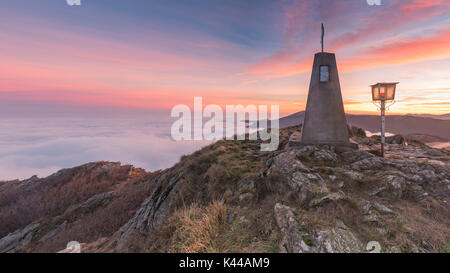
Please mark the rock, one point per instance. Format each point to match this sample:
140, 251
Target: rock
292, 236
323, 154
332, 197
394, 249
361, 140
295, 240
353, 176
354, 131
7, 184
354, 155
429, 176
382, 209
246, 196
53, 232
416, 192
307, 185
396, 183
370, 218
228, 193
287, 162
19, 238
372, 210
371, 163
338, 239
269, 162
377, 190
397, 139
153, 209
378, 207
101, 199
246, 184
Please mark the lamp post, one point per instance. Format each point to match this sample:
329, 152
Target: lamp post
382, 92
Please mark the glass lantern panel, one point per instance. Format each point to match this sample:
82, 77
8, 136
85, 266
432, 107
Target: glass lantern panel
375, 94
383, 92
390, 92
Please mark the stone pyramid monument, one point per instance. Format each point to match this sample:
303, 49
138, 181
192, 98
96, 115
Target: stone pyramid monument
325, 121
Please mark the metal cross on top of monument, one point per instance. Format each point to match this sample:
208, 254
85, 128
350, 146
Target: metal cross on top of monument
323, 33
325, 121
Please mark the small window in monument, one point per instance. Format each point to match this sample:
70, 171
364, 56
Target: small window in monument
324, 74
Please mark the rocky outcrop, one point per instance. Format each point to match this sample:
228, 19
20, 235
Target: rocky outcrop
354, 131
295, 239
338, 239
292, 236
153, 209
13, 241
416, 179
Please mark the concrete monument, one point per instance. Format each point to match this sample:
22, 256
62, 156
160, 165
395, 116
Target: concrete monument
325, 121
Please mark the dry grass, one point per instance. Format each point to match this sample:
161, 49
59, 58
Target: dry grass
197, 229
424, 224
215, 228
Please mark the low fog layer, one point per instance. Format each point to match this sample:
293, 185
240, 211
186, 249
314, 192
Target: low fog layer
41, 146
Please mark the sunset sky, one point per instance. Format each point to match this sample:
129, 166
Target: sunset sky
134, 55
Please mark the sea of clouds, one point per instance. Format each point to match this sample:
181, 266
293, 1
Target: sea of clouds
42, 146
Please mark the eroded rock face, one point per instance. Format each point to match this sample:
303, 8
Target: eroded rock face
292, 236
396, 182
409, 178
324, 154
300, 179
308, 186
287, 163
397, 139
296, 240
18, 239
332, 197
339, 239
153, 209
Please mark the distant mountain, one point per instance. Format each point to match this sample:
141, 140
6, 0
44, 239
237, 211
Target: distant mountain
397, 124
425, 138
444, 116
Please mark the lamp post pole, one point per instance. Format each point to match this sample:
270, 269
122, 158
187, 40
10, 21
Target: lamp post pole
388, 94
382, 127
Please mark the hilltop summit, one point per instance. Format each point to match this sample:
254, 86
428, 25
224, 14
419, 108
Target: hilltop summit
231, 197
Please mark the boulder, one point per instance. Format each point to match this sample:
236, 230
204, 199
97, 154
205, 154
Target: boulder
397, 139
339, 239
307, 185
332, 197
291, 233
287, 162
320, 154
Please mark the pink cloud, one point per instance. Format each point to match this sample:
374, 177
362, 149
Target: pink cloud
401, 52
294, 59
